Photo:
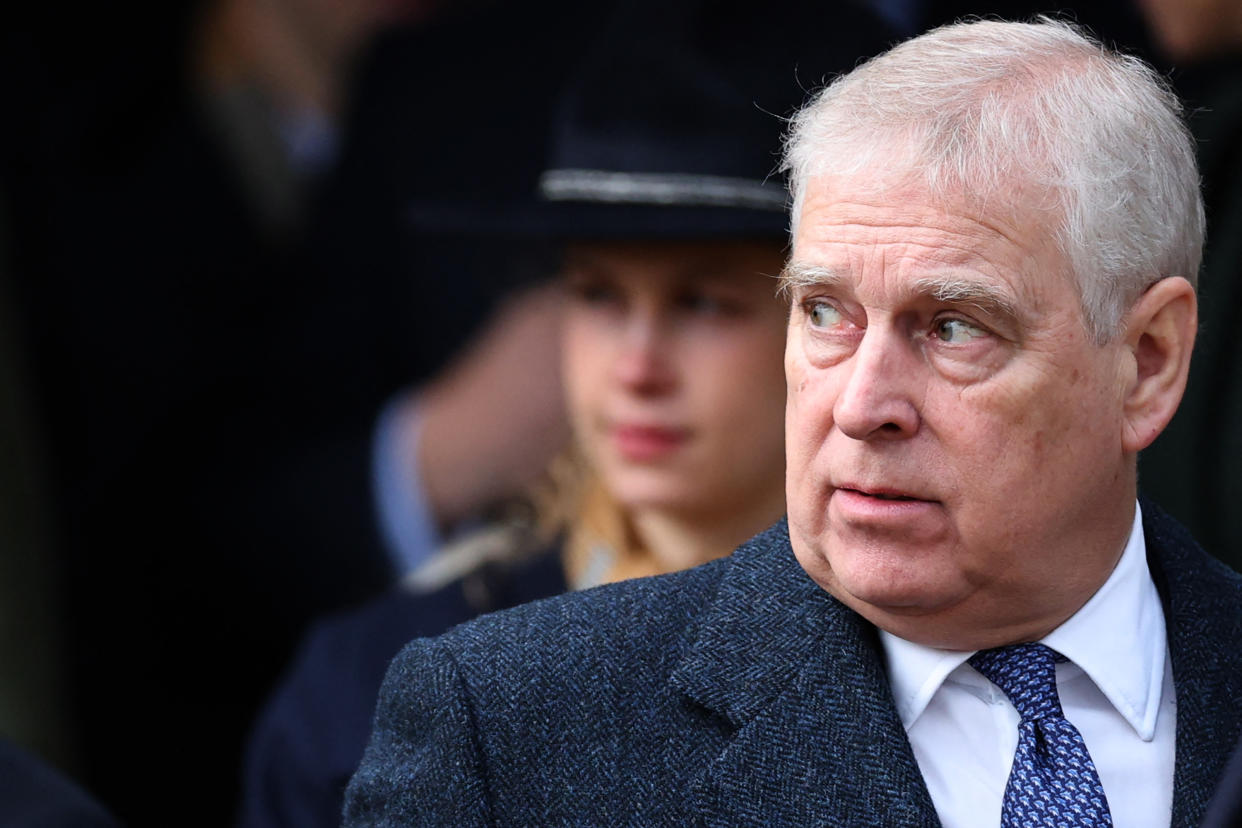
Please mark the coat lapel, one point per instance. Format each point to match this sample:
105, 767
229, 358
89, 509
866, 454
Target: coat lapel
1203, 613
814, 737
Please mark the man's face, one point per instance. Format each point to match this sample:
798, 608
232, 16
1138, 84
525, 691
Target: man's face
955, 469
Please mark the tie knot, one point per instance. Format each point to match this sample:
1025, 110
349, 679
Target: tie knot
1026, 674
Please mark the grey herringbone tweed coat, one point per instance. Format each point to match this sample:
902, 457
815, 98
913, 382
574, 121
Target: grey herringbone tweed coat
737, 693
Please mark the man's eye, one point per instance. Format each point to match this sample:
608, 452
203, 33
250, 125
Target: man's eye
824, 315
957, 331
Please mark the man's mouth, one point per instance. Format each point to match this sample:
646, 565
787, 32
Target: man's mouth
878, 506
881, 494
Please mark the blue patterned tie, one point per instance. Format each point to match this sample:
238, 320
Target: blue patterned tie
1053, 781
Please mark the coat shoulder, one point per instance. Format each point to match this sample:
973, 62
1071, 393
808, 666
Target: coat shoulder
641, 620
631, 621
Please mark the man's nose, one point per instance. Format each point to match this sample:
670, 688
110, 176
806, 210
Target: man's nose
877, 400
643, 363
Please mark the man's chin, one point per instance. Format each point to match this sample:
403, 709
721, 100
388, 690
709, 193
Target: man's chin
932, 626
904, 603
900, 606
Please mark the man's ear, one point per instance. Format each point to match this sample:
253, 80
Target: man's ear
1160, 334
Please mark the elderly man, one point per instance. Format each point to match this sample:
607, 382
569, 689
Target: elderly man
968, 619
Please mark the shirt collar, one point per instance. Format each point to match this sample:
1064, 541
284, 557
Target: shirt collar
1117, 638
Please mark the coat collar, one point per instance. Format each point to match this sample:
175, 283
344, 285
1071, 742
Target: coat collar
1203, 614
815, 738
799, 678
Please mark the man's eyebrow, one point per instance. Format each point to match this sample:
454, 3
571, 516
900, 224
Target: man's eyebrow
971, 292
957, 290
799, 274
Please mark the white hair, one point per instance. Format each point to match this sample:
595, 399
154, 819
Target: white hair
1092, 138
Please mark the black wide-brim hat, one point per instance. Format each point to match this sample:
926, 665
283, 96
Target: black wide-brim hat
672, 128
608, 204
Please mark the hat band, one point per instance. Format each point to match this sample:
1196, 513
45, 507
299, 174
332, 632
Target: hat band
677, 189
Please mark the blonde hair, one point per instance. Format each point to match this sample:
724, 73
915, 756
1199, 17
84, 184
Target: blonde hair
599, 544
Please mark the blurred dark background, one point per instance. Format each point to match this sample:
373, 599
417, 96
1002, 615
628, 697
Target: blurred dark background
209, 289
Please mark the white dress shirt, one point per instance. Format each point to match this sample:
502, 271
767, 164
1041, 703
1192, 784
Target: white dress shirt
1116, 688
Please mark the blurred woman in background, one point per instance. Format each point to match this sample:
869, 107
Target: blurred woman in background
672, 364
672, 367
660, 189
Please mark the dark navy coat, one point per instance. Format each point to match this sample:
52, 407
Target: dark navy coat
736, 693
33, 794
310, 737
1225, 809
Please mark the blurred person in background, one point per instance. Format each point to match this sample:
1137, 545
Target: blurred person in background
660, 185
33, 794
213, 305
271, 78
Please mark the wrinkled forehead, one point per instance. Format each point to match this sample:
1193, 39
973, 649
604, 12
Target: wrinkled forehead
1025, 212
1024, 209
903, 159
1008, 195
1000, 251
